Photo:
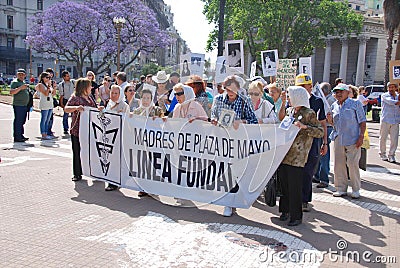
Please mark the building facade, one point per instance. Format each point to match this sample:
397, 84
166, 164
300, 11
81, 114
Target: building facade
358, 59
14, 52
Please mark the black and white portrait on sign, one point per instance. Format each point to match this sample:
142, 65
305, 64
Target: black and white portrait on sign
396, 72
226, 118
234, 54
269, 59
197, 64
305, 66
220, 69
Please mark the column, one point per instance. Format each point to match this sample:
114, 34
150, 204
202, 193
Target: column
327, 61
343, 58
362, 48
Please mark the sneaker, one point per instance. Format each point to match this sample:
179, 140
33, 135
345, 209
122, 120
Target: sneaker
322, 185
227, 212
305, 207
339, 194
391, 159
53, 137
384, 157
355, 194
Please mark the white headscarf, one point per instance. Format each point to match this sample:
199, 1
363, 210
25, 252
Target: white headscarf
298, 96
189, 94
146, 110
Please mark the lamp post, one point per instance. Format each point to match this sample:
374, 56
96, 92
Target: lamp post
118, 23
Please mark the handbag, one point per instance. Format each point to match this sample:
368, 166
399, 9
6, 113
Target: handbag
270, 192
55, 102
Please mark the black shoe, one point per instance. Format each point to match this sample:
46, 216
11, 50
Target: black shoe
141, 194
315, 180
294, 223
25, 138
284, 216
66, 132
76, 178
322, 185
305, 207
19, 140
111, 187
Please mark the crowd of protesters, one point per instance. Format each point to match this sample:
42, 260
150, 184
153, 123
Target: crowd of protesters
339, 116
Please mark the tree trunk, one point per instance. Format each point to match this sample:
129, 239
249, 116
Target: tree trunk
388, 54
397, 57
221, 27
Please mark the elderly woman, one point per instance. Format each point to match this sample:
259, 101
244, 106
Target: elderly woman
130, 93
75, 105
114, 104
279, 98
147, 107
161, 97
291, 169
263, 109
199, 88
187, 107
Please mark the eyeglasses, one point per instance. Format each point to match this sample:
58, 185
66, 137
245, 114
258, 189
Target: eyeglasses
179, 93
254, 94
131, 90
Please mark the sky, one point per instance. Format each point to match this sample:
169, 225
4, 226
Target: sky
192, 25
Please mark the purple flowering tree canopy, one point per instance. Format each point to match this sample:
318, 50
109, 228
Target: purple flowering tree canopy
81, 32
68, 29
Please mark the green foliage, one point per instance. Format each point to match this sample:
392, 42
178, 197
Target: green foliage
151, 68
294, 27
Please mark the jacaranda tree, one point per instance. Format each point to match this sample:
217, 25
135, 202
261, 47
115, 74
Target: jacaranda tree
84, 33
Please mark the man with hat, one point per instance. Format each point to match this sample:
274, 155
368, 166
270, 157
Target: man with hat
319, 146
19, 91
349, 124
390, 120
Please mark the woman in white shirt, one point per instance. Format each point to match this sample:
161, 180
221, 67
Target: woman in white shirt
46, 92
263, 109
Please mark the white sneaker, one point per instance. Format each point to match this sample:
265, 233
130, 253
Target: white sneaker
227, 212
339, 194
355, 194
391, 159
384, 157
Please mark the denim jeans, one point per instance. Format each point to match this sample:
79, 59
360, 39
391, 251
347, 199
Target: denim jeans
45, 120
324, 163
20, 114
65, 121
50, 124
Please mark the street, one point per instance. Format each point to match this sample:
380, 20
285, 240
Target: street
46, 220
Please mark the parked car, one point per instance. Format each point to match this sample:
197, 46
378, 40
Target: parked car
373, 94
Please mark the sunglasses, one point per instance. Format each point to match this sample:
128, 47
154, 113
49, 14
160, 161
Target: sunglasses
130, 90
254, 94
179, 93
108, 80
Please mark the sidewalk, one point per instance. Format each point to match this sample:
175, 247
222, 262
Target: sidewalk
8, 100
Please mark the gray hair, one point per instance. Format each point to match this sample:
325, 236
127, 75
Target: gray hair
326, 88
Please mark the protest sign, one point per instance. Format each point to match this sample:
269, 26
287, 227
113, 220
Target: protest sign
195, 161
234, 55
286, 74
269, 59
305, 66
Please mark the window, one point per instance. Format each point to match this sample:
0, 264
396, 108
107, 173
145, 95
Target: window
9, 2
10, 22
10, 42
357, 8
40, 4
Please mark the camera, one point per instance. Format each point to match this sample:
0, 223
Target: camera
48, 98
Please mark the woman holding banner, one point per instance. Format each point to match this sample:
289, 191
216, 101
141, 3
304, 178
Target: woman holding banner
79, 100
187, 107
291, 169
263, 109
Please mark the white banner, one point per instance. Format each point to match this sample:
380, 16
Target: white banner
196, 161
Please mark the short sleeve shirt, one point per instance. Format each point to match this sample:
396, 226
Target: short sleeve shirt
22, 97
76, 101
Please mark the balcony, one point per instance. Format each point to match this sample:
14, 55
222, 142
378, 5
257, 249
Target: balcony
14, 54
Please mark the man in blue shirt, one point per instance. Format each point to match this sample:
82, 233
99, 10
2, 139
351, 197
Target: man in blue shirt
349, 122
390, 120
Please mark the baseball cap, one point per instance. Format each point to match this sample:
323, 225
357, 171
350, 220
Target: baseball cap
20, 70
341, 86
